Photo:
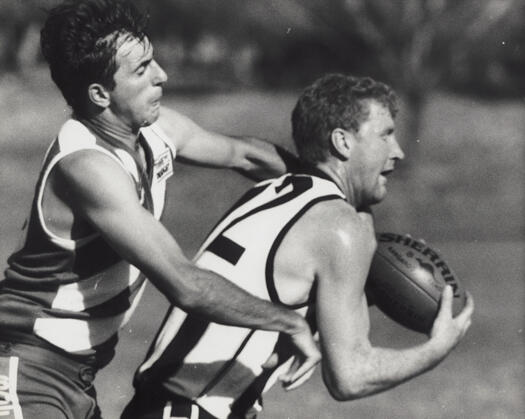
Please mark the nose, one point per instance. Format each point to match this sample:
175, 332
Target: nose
396, 152
160, 76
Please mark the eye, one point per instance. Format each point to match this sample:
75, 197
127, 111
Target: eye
388, 134
141, 70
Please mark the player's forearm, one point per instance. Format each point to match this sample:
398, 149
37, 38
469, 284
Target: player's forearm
150, 248
210, 295
377, 369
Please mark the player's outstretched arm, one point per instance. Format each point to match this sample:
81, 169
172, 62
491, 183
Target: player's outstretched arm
352, 367
99, 191
251, 156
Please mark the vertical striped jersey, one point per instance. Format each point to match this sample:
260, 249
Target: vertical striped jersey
75, 294
217, 366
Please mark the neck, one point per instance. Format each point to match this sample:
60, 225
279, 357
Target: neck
338, 175
113, 128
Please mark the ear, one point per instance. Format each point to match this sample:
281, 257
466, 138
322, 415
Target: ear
99, 95
342, 142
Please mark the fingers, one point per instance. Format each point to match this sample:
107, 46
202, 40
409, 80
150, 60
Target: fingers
300, 381
293, 379
307, 356
444, 314
445, 305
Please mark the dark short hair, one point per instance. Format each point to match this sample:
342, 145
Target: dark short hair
334, 101
79, 42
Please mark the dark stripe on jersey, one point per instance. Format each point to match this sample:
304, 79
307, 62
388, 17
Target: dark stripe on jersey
189, 334
284, 349
252, 193
97, 249
51, 153
151, 348
226, 249
226, 366
270, 280
117, 304
300, 185
148, 155
105, 351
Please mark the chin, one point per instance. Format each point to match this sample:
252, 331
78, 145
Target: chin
377, 198
150, 119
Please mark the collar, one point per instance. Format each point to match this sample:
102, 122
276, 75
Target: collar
117, 136
311, 170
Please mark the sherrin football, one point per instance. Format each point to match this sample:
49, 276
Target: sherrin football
406, 280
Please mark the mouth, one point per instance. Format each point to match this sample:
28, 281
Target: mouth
386, 173
158, 97
156, 103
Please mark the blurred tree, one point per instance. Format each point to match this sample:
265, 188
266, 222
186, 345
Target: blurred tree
19, 32
205, 43
410, 43
493, 64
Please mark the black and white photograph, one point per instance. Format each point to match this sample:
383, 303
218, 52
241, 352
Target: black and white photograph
262, 209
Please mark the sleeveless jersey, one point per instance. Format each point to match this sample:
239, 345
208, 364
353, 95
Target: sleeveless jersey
75, 294
220, 367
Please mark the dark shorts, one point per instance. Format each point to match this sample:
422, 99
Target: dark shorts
157, 405
39, 383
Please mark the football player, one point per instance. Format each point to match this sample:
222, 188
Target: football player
304, 241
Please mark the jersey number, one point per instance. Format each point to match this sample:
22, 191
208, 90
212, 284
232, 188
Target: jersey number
231, 251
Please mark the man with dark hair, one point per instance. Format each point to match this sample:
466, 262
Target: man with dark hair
306, 240
93, 235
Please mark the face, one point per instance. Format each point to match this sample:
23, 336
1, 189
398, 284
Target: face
135, 100
374, 154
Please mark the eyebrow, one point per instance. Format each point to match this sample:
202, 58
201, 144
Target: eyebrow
146, 58
143, 63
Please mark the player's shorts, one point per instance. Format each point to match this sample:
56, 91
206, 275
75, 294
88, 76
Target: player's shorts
157, 405
38, 383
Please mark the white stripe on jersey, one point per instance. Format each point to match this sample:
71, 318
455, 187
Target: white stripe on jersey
93, 291
78, 336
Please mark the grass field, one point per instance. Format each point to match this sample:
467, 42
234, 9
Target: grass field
466, 197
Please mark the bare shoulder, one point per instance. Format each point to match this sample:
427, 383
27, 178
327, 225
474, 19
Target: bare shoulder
338, 226
178, 127
84, 165
331, 243
342, 243
328, 233
89, 175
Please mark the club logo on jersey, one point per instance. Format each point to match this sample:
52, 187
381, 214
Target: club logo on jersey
163, 166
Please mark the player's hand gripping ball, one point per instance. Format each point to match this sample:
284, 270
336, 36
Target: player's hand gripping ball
406, 280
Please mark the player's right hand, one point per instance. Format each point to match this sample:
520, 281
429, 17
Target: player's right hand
306, 359
448, 330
